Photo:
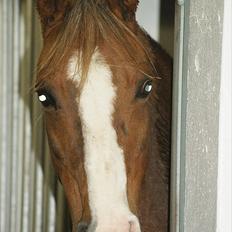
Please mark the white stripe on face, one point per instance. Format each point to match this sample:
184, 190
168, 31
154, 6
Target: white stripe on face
104, 159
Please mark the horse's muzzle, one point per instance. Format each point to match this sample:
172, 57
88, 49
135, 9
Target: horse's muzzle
124, 226
82, 227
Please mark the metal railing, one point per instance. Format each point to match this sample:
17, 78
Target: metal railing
31, 199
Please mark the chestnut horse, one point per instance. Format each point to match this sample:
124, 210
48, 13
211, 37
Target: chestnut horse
105, 87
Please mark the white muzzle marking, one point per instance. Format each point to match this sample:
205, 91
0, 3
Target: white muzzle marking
104, 159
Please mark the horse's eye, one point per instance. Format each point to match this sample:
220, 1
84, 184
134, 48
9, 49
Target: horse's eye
46, 99
145, 89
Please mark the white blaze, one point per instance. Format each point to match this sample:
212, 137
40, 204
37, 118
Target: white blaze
104, 159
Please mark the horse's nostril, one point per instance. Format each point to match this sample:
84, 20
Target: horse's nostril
82, 227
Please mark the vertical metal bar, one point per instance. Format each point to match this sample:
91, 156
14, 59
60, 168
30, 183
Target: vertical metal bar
36, 130
25, 87
15, 94
7, 117
3, 106
20, 133
1, 113
177, 117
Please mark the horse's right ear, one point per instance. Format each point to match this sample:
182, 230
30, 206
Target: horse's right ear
52, 12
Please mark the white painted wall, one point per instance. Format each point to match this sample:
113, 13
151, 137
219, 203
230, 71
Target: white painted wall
224, 215
160, 26
148, 16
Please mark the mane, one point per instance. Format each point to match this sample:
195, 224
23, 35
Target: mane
89, 24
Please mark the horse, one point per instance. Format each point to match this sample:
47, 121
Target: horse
105, 89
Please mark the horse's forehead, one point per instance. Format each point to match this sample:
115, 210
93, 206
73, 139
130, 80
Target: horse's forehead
74, 68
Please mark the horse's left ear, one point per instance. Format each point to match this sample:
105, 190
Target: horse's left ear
52, 12
124, 9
